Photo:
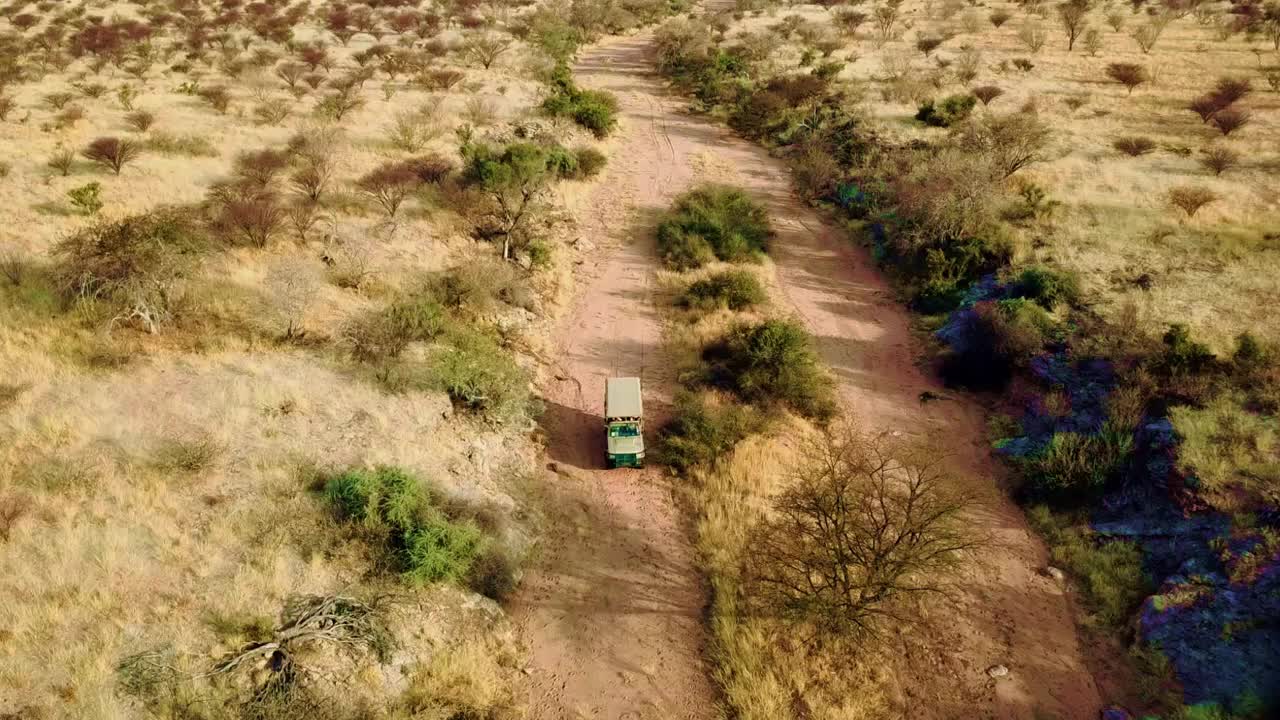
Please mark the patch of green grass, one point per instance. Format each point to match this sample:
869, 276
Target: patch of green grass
1074, 468
1229, 448
1109, 571
713, 222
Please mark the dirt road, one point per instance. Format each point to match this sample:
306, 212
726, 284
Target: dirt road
612, 615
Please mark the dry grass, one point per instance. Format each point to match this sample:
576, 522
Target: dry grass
760, 667
1115, 227
150, 485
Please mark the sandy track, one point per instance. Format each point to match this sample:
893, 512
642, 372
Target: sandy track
613, 614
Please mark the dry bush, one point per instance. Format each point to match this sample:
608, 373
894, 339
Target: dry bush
140, 120
861, 533
1011, 142
1074, 16
7, 104
927, 45
217, 96
244, 212
260, 167
135, 264
1131, 75
62, 160
113, 153
999, 17
1147, 36
389, 184
1134, 146
411, 130
1190, 198
1219, 158
440, 79
1033, 35
885, 17
13, 507
1230, 120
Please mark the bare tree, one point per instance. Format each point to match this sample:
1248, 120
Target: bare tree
293, 285
1011, 141
486, 48
857, 535
1219, 159
1074, 15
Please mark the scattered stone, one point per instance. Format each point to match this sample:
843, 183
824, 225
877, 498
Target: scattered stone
1055, 573
997, 671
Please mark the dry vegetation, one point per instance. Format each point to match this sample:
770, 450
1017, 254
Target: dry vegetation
251, 251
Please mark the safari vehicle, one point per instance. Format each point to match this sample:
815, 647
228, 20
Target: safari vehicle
623, 412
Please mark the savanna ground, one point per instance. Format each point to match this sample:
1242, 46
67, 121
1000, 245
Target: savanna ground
244, 265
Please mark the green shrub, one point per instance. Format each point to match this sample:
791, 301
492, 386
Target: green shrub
86, 199
1075, 468
1184, 356
703, 431
1002, 337
395, 509
732, 289
479, 375
594, 110
1048, 287
381, 336
713, 222
1109, 572
950, 111
771, 362
590, 162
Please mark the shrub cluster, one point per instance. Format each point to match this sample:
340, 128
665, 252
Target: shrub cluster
424, 541
594, 110
950, 111
713, 222
771, 363
705, 430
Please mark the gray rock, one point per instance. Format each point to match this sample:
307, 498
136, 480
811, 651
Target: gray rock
997, 671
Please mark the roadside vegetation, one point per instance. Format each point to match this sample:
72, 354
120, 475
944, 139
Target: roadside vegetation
819, 539
981, 170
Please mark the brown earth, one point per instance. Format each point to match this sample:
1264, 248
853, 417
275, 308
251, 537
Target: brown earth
613, 613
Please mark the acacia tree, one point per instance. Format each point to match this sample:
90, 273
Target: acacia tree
857, 535
113, 153
514, 181
486, 48
389, 184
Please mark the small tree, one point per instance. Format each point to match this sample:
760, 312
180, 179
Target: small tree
1190, 198
1231, 119
1219, 158
291, 73
113, 153
1074, 15
987, 93
486, 48
1204, 106
62, 160
885, 18
1147, 36
858, 535
1131, 75
389, 184
1012, 142
1092, 42
515, 180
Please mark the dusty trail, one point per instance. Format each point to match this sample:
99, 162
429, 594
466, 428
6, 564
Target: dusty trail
613, 616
